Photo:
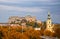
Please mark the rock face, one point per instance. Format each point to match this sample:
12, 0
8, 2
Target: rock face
16, 19
21, 20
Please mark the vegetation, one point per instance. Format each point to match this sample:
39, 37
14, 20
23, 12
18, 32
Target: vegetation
57, 30
15, 32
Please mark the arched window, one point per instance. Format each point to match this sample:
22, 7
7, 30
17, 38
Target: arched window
49, 22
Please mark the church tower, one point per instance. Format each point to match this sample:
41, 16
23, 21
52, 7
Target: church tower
49, 23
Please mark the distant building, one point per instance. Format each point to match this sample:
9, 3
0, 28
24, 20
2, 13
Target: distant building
37, 28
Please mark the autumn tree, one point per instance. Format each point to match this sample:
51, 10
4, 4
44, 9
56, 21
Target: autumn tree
47, 33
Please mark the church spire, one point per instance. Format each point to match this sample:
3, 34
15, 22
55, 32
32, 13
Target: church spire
49, 15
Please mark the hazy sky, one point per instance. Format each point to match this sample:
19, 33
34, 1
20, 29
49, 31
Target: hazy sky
38, 8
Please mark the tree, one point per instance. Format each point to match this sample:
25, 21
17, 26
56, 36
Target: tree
56, 29
1, 35
57, 32
33, 34
47, 33
30, 23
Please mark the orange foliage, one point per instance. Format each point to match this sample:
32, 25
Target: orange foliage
15, 32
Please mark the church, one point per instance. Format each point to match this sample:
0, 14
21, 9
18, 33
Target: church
49, 25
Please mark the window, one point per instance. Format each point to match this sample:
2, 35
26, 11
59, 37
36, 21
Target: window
49, 22
49, 26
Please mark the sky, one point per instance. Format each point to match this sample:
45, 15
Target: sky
38, 8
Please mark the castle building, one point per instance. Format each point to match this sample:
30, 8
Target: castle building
49, 24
